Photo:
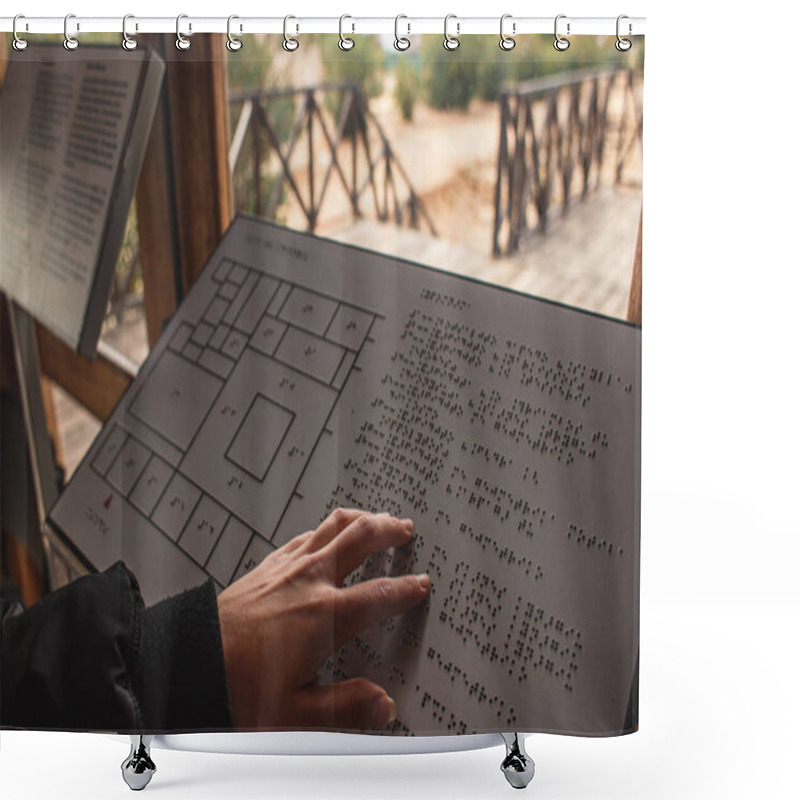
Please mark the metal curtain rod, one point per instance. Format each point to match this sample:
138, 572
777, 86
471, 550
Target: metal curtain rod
458, 26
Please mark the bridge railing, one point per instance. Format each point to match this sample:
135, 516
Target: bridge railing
321, 151
560, 137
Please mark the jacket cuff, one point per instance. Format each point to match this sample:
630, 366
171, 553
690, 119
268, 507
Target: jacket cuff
182, 679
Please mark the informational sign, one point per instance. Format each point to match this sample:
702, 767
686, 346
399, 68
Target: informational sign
300, 375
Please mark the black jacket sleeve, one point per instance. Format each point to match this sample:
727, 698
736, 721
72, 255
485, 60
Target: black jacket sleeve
91, 657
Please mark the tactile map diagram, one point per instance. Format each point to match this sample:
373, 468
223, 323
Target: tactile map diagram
300, 375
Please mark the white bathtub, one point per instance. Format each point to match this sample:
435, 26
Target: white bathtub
321, 743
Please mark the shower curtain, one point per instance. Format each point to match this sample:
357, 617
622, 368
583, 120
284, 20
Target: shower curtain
379, 470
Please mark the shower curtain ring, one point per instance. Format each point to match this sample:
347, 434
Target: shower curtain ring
401, 43
345, 42
128, 42
181, 42
290, 43
18, 44
233, 44
451, 42
623, 45
70, 42
560, 43
506, 42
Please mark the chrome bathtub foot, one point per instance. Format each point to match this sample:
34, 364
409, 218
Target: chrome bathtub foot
517, 766
138, 768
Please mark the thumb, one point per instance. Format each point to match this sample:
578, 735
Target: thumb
353, 704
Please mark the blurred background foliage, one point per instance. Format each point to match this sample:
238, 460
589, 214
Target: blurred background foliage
425, 73
407, 86
480, 69
364, 65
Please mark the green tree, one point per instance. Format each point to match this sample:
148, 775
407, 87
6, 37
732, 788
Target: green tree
364, 65
450, 77
406, 87
479, 68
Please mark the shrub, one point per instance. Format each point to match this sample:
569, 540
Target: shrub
364, 65
451, 77
406, 89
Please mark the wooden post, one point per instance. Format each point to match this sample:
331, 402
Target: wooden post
502, 157
52, 420
156, 215
200, 134
312, 210
635, 296
97, 384
255, 133
185, 196
517, 173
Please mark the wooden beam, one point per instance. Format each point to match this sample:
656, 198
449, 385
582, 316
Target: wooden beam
197, 86
52, 420
25, 571
185, 196
242, 124
158, 253
97, 384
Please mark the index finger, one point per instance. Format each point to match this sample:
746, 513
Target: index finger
366, 604
332, 526
366, 535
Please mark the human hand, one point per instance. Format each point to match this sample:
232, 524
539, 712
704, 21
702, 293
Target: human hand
280, 622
